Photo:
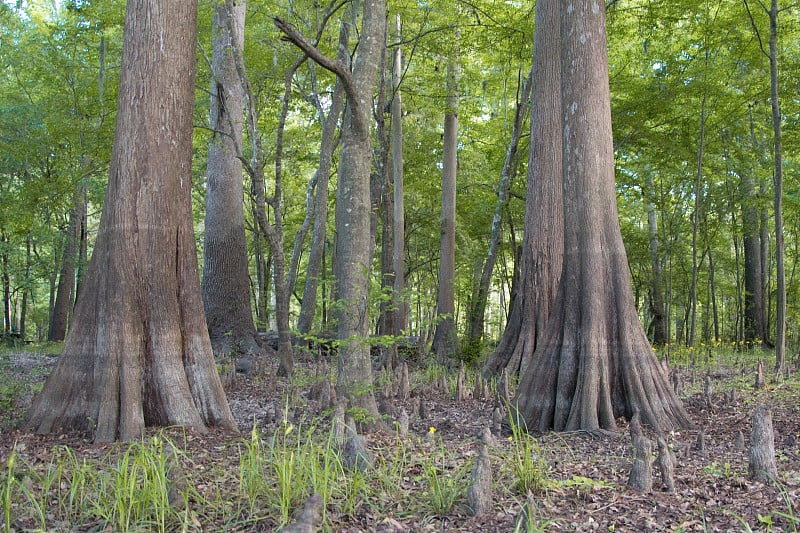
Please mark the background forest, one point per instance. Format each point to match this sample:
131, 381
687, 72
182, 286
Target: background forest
693, 135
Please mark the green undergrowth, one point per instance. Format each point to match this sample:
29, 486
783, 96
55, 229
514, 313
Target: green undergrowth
169, 482
159, 484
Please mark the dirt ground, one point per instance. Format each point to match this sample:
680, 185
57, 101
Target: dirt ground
587, 475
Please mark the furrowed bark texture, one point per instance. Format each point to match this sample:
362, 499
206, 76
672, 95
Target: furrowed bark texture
594, 362
138, 353
543, 241
226, 281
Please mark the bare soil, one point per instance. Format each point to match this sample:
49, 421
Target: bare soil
587, 474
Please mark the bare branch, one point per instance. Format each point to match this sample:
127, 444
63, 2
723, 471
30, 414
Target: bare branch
335, 66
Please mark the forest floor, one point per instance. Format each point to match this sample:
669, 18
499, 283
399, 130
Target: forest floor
253, 480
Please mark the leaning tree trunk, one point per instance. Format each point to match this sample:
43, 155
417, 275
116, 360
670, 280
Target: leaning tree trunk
65, 292
138, 353
477, 313
543, 240
594, 362
226, 282
314, 268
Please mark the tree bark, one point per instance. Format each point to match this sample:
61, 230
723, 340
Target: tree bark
353, 256
543, 239
780, 272
658, 323
138, 353
65, 291
445, 342
226, 283
696, 220
399, 300
593, 363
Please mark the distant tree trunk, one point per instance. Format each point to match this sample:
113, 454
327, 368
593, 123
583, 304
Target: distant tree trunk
66, 281
138, 352
262, 285
593, 363
445, 342
27, 290
477, 314
314, 268
398, 195
274, 232
712, 285
386, 321
543, 239
658, 324
780, 276
225, 283
6, 275
754, 323
353, 255
753, 290
696, 220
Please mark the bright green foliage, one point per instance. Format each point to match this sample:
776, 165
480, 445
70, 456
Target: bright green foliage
669, 64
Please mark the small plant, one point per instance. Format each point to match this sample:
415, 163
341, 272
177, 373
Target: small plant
444, 488
135, 493
284, 462
6, 489
527, 461
251, 470
719, 470
529, 520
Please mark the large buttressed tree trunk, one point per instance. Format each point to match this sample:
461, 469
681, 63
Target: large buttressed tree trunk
543, 240
593, 363
226, 282
138, 353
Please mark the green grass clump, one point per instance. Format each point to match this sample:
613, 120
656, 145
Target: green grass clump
526, 458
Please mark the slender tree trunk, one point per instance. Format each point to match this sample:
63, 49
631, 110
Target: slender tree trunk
314, 269
27, 290
658, 324
593, 363
754, 316
65, 292
780, 276
543, 239
399, 300
712, 284
255, 168
387, 325
445, 342
353, 255
6, 275
696, 220
138, 352
477, 313
225, 283
262, 284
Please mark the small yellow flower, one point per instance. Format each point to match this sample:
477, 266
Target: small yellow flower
511, 438
432, 430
